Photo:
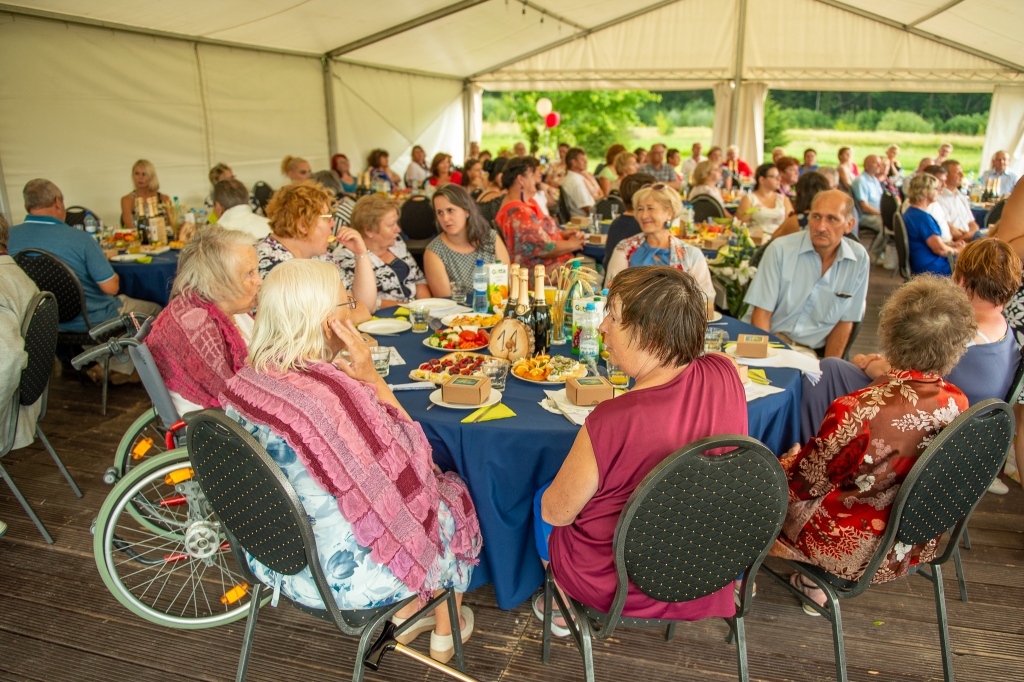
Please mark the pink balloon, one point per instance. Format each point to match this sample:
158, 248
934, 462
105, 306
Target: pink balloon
552, 119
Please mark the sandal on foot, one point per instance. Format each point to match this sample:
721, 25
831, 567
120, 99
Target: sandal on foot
804, 587
422, 625
442, 647
736, 591
557, 629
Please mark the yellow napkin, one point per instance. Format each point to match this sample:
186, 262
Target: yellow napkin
499, 412
757, 376
402, 312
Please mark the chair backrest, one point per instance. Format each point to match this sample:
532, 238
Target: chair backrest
154, 384
489, 209
888, 207
417, 219
562, 212
51, 274
706, 206
262, 192
76, 216
1018, 382
604, 207
899, 230
39, 330
697, 520
994, 215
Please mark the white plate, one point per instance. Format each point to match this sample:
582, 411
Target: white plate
715, 317
454, 350
447, 321
128, 257
755, 362
495, 397
431, 304
385, 326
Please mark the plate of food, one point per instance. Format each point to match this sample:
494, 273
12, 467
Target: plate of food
470, 320
438, 369
715, 316
131, 258
772, 354
458, 338
494, 397
385, 326
547, 369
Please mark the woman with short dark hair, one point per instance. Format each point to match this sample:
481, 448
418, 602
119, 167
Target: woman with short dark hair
654, 331
441, 171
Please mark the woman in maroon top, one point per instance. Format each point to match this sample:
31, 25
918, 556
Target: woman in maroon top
655, 333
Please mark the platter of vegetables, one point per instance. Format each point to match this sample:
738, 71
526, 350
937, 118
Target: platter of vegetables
458, 338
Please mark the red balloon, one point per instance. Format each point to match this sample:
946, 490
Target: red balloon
552, 119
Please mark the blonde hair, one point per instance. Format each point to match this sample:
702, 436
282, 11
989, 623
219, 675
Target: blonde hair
290, 163
154, 182
218, 171
295, 299
207, 264
921, 185
666, 197
369, 211
703, 171
622, 160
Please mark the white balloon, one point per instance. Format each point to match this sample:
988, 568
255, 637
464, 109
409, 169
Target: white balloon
544, 106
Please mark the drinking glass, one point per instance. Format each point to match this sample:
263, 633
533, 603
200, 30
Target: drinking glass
418, 318
381, 359
459, 293
616, 376
497, 370
714, 340
615, 211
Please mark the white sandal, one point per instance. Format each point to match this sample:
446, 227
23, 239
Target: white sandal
442, 647
422, 625
804, 587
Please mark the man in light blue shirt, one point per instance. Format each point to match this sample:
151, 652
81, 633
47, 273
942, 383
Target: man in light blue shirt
812, 286
1007, 178
867, 191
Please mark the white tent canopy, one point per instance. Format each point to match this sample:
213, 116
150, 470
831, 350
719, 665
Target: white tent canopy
91, 86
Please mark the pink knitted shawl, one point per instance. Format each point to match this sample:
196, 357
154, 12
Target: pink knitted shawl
369, 456
196, 348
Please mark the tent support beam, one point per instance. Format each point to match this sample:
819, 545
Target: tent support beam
913, 30
568, 22
575, 36
935, 12
397, 69
332, 136
125, 28
734, 105
404, 26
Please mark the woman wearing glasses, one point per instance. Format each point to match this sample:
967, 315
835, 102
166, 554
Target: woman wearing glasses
655, 207
764, 207
301, 225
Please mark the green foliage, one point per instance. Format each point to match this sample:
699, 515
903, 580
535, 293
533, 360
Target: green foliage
592, 119
808, 119
859, 120
496, 109
904, 122
942, 106
973, 124
664, 123
775, 125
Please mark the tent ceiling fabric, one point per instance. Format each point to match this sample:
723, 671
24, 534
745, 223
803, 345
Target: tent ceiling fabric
654, 49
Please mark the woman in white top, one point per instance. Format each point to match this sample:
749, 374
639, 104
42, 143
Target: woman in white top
655, 208
418, 172
764, 207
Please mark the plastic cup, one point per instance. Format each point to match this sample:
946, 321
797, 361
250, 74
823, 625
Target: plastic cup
381, 359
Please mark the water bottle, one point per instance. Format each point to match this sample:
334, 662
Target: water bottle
91, 225
589, 339
480, 288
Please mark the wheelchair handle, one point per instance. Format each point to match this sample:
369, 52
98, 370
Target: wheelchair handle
116, 347
129, 322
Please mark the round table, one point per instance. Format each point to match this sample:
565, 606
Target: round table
980, 213
504, 462
148, 281
596, 251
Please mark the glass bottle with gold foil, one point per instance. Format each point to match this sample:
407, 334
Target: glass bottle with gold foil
524, 313
541, 314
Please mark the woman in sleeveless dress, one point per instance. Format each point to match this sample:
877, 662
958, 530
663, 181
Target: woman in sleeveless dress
764, 207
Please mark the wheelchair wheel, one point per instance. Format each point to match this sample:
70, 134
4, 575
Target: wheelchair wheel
144, 439
162, 552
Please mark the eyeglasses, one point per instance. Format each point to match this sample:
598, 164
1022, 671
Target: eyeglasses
832, 220
347, 303
327, 216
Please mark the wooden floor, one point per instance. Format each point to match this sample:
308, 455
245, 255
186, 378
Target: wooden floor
58, 622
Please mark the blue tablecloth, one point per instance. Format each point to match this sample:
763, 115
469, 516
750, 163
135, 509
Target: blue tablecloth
504, 462
980, 215
149, 281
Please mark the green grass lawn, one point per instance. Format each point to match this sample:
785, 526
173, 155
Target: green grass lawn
913, 146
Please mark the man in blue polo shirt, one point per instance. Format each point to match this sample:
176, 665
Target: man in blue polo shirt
44, 229
812, 286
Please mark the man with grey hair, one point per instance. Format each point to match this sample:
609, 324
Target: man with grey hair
955, 204
231, 205
1005, 178
16, 292
811, 286
44, 229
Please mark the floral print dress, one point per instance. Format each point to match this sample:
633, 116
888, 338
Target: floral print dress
842, 484
529, 235
356, 581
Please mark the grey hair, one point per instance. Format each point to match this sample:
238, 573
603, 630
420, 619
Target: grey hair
921, 185
40, 193
5, 232
230, 193
327, 180
206, 267
848, 206
829, 172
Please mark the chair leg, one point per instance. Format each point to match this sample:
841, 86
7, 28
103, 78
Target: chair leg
60, 464
106, 378
250, 632
454, 616
545, 652
960, 575
670, 632
837, 636
25, 505
967, 539
741, 648
940, 612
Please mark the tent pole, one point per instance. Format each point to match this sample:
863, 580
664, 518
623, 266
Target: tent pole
734, 109
332, 136
5, 205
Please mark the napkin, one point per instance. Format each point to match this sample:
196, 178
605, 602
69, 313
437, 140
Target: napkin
500, 411
402, 312
755, 391
556, 403
757, 376
785, 357
396, 359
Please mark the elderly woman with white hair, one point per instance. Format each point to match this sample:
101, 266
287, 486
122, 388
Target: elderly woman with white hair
199, 340
388, 523
655, 207
928, 253
146, 186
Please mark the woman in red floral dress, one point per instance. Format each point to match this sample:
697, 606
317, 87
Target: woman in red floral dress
843, 482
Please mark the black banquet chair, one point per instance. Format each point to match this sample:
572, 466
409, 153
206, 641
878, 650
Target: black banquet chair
418, 225
39, 331
262, 192
692, 525
603, 207
902, 247
262, 515
706, 206
939, 494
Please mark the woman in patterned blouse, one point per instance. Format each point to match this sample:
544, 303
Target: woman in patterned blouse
398, 279
302, 223
843, 482
465, 238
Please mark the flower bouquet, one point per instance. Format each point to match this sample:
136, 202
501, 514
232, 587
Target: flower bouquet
732, 268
